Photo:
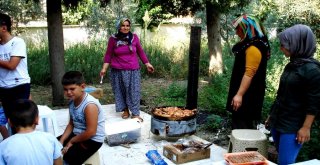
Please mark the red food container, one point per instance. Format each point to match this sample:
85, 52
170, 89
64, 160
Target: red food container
245, 158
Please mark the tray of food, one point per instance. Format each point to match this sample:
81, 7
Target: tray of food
173, 113
245, 158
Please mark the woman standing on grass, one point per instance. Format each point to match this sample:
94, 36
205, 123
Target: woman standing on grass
123, 53
297, 102
247, 84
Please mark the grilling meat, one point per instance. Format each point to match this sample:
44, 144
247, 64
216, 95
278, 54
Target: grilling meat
173, 112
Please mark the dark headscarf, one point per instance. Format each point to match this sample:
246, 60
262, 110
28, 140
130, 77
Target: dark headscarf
123, 38
300, 41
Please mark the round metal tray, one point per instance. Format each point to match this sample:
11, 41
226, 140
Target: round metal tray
172, 118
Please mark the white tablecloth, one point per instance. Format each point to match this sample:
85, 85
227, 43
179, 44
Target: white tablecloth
309, 162
223, 162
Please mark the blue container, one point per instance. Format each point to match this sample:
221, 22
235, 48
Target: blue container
89, 89
155, 157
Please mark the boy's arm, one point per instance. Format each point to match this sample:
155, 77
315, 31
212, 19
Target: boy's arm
58, 161
18, 51
11, 64
67, 131
91, 115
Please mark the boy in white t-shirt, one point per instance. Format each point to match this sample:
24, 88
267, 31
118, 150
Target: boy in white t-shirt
14, 76
28, 146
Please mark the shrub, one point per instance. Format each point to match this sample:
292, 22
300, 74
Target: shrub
174, 95
164, 61
38, 64
214, 122
213, 97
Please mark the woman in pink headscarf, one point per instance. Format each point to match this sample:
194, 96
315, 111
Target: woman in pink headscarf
123, 53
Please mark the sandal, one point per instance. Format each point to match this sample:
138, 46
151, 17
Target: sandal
137, 117
125, 114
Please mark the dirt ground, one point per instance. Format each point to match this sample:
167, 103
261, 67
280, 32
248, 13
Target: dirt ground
150, 90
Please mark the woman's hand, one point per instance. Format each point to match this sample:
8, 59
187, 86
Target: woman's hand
303, 135
267, 122
104, 69
236, 102
102, 72
149, 68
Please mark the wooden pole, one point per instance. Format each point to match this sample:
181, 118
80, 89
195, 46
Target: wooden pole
193, 73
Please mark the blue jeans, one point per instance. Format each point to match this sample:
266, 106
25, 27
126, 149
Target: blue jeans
287, 147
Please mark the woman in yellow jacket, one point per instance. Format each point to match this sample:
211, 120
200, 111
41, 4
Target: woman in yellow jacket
247, 84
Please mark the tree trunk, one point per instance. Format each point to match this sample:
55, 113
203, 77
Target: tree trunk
214, 39
56, 49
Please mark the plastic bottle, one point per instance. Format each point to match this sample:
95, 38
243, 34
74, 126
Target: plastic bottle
155, 157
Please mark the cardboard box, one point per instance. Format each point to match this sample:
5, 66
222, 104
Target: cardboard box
123, 132
178, 157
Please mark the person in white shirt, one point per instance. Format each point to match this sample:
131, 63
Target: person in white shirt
14, 76
28, 146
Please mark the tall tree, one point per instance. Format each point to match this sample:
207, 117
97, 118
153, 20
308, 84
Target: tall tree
55, 34
299, 12
29, 10
56, 49
21, 12
56, 45
214, 39
213, 8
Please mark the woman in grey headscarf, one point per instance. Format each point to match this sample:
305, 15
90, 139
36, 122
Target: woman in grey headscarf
297, 102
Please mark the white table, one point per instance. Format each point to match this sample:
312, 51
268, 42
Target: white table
223, 162
309, 162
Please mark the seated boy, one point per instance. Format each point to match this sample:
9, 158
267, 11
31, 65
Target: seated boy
28, 146
84, 133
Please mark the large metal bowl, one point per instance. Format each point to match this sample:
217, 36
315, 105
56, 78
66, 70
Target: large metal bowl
173, 118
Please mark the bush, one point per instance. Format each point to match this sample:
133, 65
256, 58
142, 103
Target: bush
85, 58
214, 122
213, 97
88, 58
165, 63
174, 95
38, 65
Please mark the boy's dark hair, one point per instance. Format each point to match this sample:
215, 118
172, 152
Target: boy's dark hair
23, 113
6, 21
72, 77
